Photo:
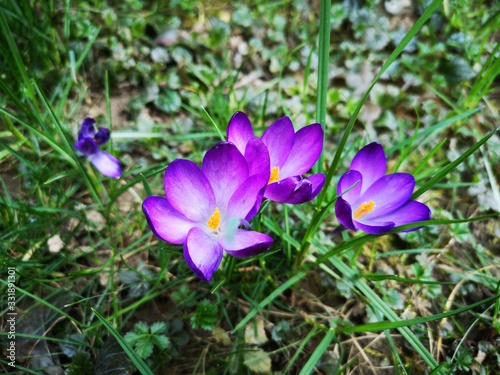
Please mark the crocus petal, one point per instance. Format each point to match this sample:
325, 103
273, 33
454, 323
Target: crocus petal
107, 164
376, 227
165, 222
256, 207
343, 211
226, 169
257, 156
86, 146
202, 253
245, 243
388, 193
278, 139
87, 129
292, 190
239, 131
317, 181
411, 212
248, 195
349, 186
307, 147
189, 191
102, 136
370, 161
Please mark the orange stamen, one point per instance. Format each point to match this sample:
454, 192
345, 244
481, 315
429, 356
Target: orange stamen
214, 221
363, 209
275, 175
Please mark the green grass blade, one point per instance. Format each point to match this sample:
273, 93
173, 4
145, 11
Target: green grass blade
448, 168
323, 61
292, 281
75, 67
393, 56
323, 67
16, 154
91, 183
303, 343
43, 301
378, 304
382, 277
17, 60
217, 128
433, 130
380, 326
45, 137
318, 352
134, 357
489, 71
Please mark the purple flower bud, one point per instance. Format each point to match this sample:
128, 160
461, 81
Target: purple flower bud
102, 136
88, 142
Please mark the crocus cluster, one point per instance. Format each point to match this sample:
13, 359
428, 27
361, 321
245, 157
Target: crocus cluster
208, 209
204, 209
375, 202
89, 139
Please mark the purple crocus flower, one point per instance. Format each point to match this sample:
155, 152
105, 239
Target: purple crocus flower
204, 209
376, 202
88, 142
291, 155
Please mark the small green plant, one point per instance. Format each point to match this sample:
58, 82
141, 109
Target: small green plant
206, 315
144, 338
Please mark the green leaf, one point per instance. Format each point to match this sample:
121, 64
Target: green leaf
205, 316
176, 334
141, 327
219, 32
280, 331
132, 337
80, 364
162, 342
168, 101
158, 327
144, 347
183, 296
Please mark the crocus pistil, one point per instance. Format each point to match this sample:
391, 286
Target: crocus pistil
363, 209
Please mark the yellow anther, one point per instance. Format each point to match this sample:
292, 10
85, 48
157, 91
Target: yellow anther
214, 221
275, 175
363, 209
